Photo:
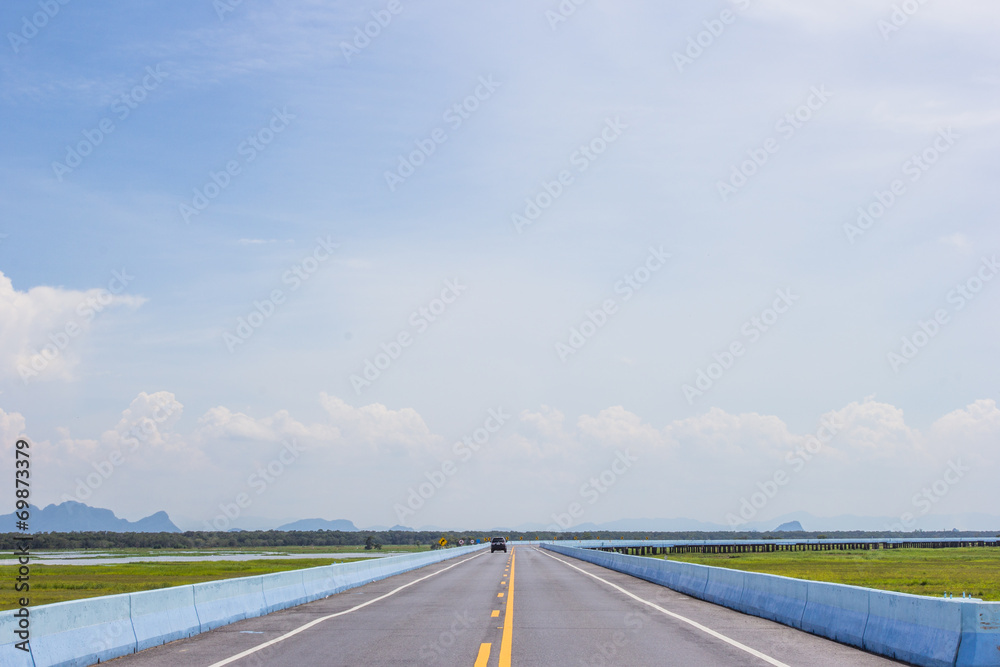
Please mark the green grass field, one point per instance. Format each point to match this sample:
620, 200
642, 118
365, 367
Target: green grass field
918, 571
263, 551
58, 583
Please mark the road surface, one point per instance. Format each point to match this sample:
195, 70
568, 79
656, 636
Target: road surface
527, 607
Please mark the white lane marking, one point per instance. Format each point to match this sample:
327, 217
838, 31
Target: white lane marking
766, 658
251, 651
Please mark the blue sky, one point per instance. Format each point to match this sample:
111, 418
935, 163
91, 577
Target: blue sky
201, 87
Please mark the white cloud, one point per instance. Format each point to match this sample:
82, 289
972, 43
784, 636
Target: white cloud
379, 429
11, 428
364, 459
40, 330
827, 15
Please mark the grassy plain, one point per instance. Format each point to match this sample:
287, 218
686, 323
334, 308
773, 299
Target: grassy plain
975, 570
58, 583
228, 551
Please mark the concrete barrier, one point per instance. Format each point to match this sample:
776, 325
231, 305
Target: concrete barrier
837, 612
357, 574
9, 655
323, 581
282, 590
919, 630
163, 615
227, 601
649, 569
980, 645
82, 632
780, 599
690, 579
931, 632
725, 587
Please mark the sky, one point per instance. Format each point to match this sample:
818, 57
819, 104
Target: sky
501, 263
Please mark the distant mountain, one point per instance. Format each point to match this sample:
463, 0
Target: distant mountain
629, 525
966, 521
790, 527
674, 525
71, 516
843, 522
320, 524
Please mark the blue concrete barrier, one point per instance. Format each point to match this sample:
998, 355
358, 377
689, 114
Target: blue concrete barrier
775, 598
227, 601
651, 570
359, 574
837, 612
282, 590
320, 582
163, 615
980, 645
690, 579
656, 571
919, 630
931, 632
725, 587
82, 632
9, 655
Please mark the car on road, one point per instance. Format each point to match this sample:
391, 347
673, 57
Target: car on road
498, 544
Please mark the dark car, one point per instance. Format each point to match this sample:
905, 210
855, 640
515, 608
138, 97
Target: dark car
498, 544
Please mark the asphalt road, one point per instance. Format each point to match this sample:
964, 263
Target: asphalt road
529, 607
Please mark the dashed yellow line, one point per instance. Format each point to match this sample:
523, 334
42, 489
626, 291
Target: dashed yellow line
484, 655
495, 613
508, 619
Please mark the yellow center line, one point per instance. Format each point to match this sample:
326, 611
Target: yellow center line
495, 613
484, 655
508, 619
499, 595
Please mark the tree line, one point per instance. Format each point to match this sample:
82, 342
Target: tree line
329, 538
